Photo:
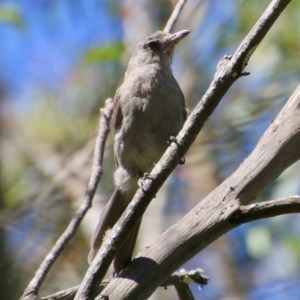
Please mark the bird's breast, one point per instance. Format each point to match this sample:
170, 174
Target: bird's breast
152, 109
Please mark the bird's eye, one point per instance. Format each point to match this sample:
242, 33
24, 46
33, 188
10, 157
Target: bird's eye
154, 45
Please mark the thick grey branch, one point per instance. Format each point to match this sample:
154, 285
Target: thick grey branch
35, 284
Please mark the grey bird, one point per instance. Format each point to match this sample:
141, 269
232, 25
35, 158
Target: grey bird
149, 108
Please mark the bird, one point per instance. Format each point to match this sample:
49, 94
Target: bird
149, 108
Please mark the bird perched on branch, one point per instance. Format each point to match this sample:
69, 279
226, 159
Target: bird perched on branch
149, 108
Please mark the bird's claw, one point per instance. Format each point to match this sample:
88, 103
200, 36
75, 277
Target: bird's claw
173, 139
182, 161
142, 182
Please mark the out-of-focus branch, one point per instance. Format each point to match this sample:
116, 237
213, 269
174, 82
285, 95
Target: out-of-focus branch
267, 209
175, 15
32, 290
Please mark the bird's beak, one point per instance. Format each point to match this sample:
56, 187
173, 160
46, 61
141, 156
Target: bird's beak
178, 36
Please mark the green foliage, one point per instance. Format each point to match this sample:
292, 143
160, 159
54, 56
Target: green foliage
258, 241
16, 185
58, 126
293, 243
9, 14
107, 53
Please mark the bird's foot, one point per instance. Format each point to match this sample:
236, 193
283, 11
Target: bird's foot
174, 140
142, 182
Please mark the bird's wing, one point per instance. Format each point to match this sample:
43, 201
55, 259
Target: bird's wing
184, 115
183, 100
184, 107
117, 119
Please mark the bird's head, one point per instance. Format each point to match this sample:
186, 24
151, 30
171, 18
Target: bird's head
158, 47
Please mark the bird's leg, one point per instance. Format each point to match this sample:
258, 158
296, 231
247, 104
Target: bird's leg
174, 140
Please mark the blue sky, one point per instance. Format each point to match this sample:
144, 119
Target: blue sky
48, 38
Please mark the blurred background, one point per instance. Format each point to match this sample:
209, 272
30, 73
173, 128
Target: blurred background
60, 60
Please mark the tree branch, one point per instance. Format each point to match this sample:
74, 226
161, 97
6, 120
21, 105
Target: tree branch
267, 209
32, 290
175, 15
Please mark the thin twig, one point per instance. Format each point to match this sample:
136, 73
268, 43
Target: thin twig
176, 279
32, 290
267, 209
175, 15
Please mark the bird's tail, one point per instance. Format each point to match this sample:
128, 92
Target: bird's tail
110, 215
124, 254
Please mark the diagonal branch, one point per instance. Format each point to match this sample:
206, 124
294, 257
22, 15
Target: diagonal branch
267, 209
175, 15
32, 290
